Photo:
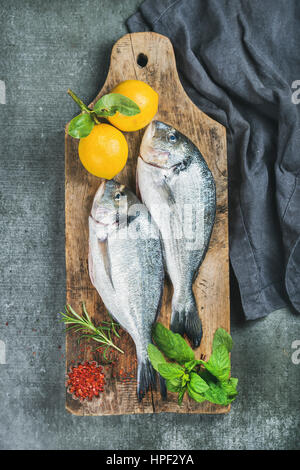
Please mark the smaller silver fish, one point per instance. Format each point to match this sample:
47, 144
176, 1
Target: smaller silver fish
126, 268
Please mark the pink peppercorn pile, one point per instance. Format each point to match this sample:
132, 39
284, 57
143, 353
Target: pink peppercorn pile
86, 381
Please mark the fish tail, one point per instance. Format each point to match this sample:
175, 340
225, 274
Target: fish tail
193, 326
162, 387
185, 318
146, 378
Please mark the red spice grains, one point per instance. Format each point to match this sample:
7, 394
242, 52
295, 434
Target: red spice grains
85, 381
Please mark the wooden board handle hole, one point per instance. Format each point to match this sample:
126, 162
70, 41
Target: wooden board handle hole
142, 60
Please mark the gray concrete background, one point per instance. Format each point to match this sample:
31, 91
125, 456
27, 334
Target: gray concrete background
46, 47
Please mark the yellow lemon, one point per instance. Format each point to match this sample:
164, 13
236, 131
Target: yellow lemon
104, 151
144, 96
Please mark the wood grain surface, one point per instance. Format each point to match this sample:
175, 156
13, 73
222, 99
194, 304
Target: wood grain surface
211, 287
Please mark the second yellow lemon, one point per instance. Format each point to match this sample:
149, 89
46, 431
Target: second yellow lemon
104, 151
144, 96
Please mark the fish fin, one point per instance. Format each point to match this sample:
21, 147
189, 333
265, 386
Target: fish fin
193, 327
166, 192
146, 378
185, 320
103, 249
137, 188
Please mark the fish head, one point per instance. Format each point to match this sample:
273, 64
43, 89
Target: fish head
109, 202
165, 147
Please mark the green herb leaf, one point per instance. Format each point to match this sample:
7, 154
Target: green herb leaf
215, 394
174, 385
212, 384
230, 387
101, 334
181, 395
219, 363
155, 356
109, 104
172, 344
191, 364
197, 383
194, 395
221, 337
185, 379
81, 126
234, 381
170, 371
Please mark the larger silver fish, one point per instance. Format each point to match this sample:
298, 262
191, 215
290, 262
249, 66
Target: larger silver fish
126, 267
178, 188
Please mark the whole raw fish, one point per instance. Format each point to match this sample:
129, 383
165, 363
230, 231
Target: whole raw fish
126, 267
178, 188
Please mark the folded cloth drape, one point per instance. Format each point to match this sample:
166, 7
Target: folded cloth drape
239, 61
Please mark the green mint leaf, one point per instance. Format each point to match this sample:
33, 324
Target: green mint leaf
215, 394
170, 371
191, 364
174, 385
194, 395
181, 395
172, 344
109, 104
155, 356
221, 337
230, 387
197, 383
219, 363
233, 381
81, 126
185, 379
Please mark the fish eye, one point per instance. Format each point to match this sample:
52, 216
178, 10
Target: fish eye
118, 195
172, 138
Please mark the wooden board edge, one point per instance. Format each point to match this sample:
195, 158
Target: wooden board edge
222, 411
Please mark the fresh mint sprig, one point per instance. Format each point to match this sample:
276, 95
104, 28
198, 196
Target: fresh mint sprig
108, 105
203, 381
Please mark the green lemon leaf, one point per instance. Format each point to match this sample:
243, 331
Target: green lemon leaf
109, 104
81, 126
155, 356
174, 385
170, 371
172, 344
221, 337
194, 395
181, 395
197, 383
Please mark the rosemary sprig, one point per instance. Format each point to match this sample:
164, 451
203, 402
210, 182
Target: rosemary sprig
83, 323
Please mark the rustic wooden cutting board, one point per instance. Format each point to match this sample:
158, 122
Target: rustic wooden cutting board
211, 287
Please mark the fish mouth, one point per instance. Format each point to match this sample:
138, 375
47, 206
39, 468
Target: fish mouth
151, 155
150, 163
104, 217
155, 165
99, 214
96, 201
